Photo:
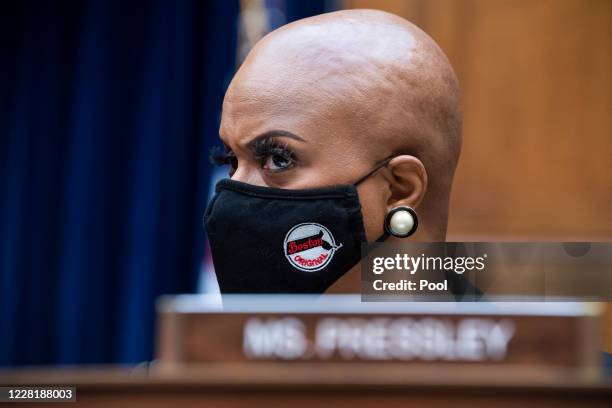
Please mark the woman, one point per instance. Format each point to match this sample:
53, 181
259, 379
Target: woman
338, 129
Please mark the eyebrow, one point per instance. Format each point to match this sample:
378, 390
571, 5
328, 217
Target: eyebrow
275, 133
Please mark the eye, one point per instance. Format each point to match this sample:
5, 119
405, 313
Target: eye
221, 157
274, 155
277, 162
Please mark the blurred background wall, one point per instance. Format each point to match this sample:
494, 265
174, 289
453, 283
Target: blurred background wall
108, 109
536, 77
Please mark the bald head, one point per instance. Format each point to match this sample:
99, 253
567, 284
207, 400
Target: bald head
356, 86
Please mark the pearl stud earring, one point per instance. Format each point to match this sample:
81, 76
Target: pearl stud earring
401, 222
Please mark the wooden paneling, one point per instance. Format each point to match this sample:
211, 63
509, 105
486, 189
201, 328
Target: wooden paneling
536, 77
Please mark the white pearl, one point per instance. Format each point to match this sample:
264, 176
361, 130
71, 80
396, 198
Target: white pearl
401, 222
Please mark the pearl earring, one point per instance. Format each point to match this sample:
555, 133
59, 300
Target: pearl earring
401, 222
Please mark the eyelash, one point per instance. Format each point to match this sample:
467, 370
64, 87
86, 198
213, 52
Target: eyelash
262, 149
221, 157
265, 148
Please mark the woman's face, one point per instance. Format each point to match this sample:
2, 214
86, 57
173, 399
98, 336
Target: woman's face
274, 138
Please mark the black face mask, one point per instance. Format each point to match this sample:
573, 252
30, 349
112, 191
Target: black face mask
271, 240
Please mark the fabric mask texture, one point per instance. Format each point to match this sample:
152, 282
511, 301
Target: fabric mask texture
270, 240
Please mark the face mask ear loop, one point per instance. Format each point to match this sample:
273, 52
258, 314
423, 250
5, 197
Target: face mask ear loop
374, 170
385, 235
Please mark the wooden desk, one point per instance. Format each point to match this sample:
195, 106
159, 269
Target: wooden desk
549, 359
310, 385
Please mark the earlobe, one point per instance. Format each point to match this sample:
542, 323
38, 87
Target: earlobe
408, 182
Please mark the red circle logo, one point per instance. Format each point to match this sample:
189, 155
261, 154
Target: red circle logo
310, 246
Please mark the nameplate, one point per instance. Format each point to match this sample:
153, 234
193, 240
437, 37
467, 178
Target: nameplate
341, 329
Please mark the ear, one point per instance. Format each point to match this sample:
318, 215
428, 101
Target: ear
408, 182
